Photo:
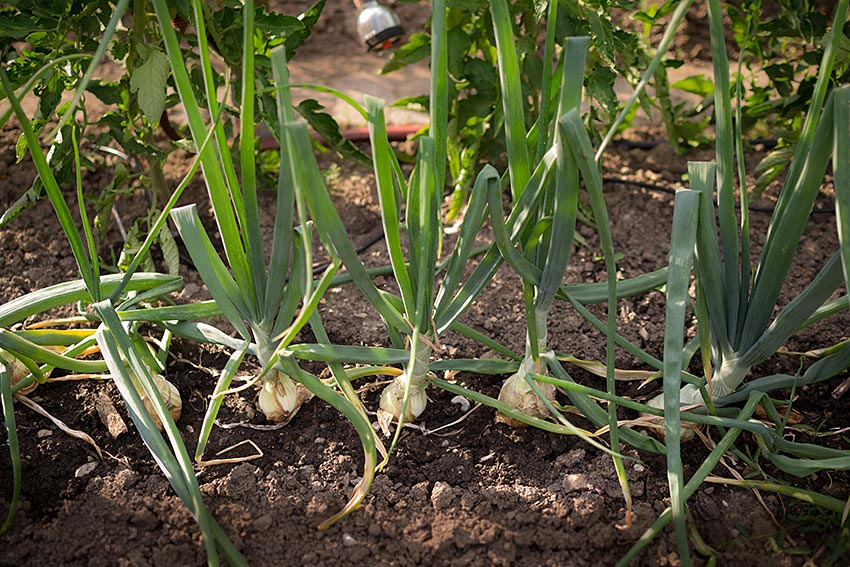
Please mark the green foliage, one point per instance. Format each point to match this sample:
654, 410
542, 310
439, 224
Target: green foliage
149, 81
45, 47
476, 118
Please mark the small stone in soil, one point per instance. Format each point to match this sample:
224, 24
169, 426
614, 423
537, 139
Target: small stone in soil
348, 540
441, 495
43, 433
263, 523
462, 402
85, 470
575, 482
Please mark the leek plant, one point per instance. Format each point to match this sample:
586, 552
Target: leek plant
736, 301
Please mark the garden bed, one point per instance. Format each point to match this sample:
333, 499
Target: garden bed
470, 492
460, 488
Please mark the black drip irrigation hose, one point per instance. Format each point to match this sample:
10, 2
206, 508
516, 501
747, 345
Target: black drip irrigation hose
400, 133
766, 143
672, 191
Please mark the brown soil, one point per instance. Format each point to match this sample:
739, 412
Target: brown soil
475, 493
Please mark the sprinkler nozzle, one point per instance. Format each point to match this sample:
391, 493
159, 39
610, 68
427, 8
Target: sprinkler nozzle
377, 25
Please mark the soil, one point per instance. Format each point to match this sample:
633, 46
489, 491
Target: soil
471, 493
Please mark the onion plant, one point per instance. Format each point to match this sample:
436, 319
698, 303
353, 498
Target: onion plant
112, 294
541, 252
260, 299
540, 264
417, 316
412, 312
37, 350
425, 307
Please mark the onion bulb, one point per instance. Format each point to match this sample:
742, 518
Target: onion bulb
17, 371
280, 397
413, 380
170, 396
392, 399
518, 393
167, 391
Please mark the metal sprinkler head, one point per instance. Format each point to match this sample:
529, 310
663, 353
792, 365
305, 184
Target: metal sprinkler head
377, 25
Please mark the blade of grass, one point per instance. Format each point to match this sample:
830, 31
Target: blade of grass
544, 118
222, 286
425, 232
328, 223
573, 131
695, 482
725, 172
710, 267
361, 425
841, 173
804, 304
204, 333
229, 191
599, 417
388, 199
216, 183
216, 400
786, 229
439, 98
473, 219
808, 496
106, 35
590, 293
483, 339
54, 193
746, 254
16, 344
42, 300
348, 354
504, 408
669, 35
84, 217
254, 238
